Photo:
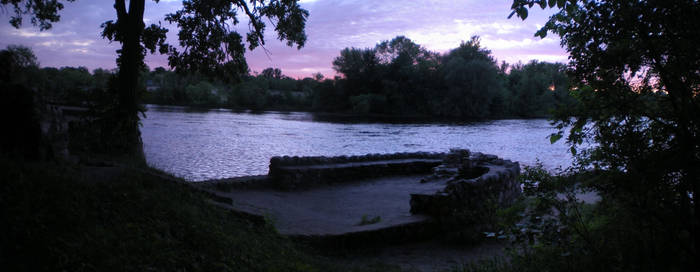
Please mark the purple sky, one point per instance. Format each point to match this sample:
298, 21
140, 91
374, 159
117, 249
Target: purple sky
332, 25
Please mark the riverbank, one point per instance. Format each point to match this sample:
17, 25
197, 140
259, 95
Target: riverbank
349, 116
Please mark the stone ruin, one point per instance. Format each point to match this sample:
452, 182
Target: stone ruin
445, 192
473, 179
470, 176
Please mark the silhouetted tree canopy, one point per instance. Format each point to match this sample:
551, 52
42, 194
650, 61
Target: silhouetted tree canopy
401, 77
208, 43
272, 73
15, 61
535, 84
635, 66
42, 12
19, 112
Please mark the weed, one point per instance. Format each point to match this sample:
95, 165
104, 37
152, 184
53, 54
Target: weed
366, 220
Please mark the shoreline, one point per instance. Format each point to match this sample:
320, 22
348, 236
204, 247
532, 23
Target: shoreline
340, 117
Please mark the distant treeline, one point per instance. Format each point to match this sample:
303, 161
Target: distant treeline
397, 77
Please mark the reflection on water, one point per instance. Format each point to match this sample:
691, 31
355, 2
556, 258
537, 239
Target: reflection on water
201, 145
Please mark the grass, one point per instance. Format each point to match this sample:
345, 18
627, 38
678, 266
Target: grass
496, 264
55, 217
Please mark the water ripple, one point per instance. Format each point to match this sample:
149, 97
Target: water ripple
201, 145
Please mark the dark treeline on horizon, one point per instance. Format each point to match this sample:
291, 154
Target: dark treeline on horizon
397, 77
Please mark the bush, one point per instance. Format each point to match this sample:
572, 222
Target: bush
553, 230
368, 103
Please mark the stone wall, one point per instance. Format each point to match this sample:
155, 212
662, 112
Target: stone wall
303, 172
474, 180
276, 162
478, 185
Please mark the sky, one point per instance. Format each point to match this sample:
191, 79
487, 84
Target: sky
331, 26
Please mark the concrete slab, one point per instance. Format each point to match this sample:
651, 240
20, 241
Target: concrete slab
337, 209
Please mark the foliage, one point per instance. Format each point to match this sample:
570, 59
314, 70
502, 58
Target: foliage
553, 229
43, 12
19, 63
406, 79
19, 106
637, 77
251, 94
202, 93
361, 70
472, 81
368, 103
496, 264
536, 88
270, 73
208, 45
464, 83
69, 85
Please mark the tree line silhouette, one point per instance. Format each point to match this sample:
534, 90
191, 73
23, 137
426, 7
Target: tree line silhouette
396, 77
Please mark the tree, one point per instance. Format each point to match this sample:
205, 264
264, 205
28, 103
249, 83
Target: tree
399, 50
398, 73
201, 94
360, 68
16, 59
208, 43
318, 76
535, 88
472, 82
272, 73
18, 109
404, 64
636, 66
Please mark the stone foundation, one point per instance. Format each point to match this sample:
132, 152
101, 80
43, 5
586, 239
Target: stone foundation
454, 193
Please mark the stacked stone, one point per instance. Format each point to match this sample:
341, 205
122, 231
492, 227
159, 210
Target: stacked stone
302, 172
279, 161
477, 185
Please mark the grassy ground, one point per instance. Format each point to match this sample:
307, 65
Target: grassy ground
65, 217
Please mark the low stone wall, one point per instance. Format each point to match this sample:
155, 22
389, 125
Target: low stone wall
276, 162
302, 172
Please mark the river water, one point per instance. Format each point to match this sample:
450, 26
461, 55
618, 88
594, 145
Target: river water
209, 144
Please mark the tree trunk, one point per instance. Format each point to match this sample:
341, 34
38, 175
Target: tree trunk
130, 62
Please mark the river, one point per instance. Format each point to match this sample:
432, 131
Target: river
208, 144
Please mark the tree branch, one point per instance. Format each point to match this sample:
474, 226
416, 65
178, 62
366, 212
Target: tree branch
253, 19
